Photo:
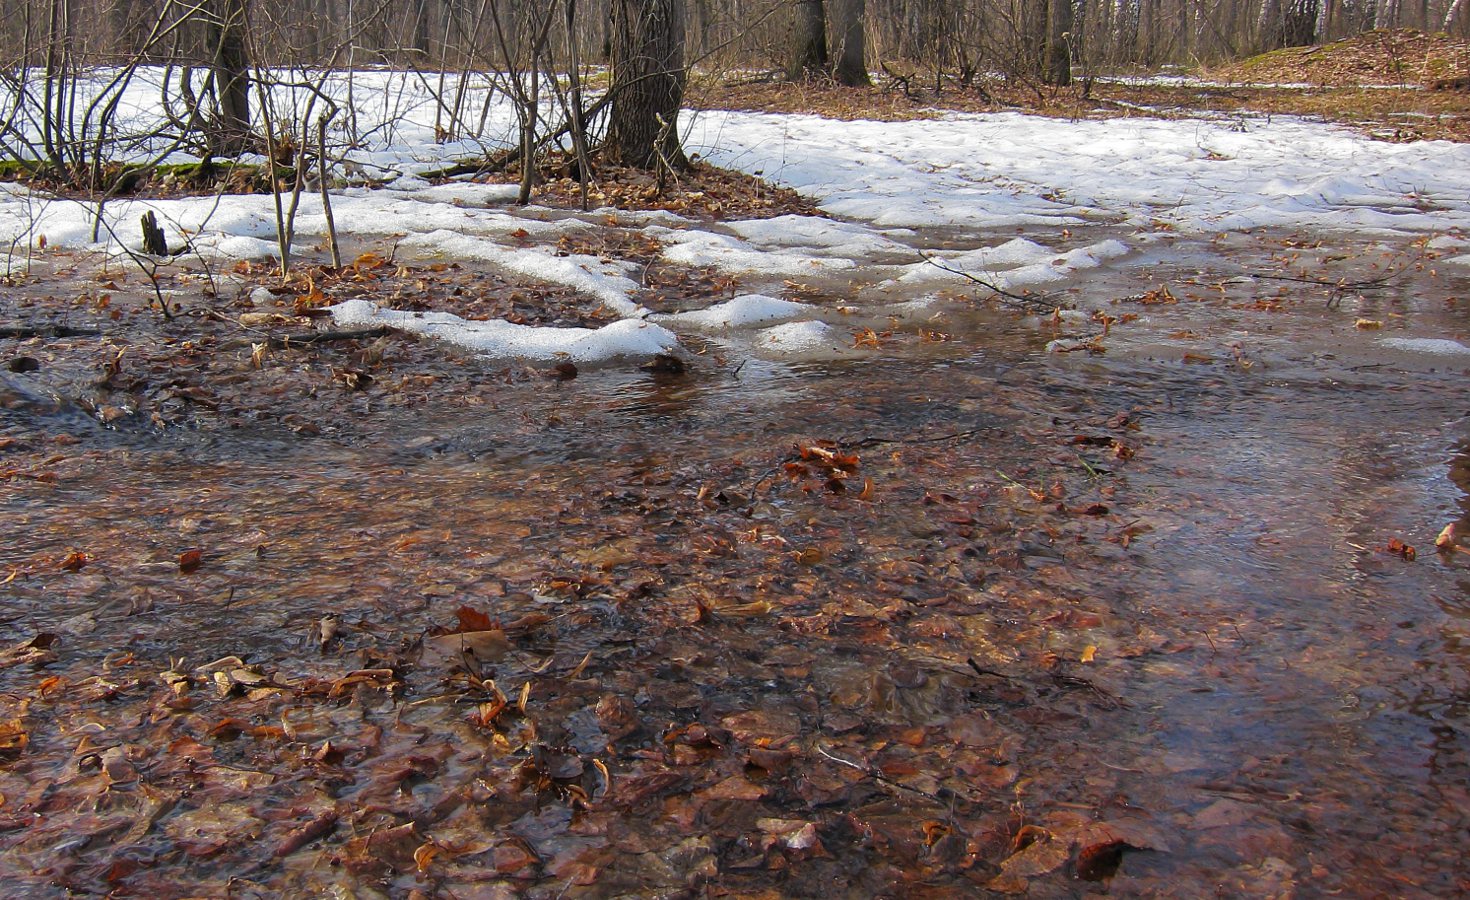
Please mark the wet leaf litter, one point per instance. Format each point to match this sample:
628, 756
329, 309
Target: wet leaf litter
369, 613
573, 652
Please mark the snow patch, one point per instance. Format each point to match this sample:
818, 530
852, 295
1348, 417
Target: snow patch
742, 311
499, 338
798, 337
601, 279
1439, 346
730, 254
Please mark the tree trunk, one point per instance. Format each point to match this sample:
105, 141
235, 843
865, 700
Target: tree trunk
648, 79
420, 39
231, 65
1387, 14
809, 41
1268, 26
1453, 14
1058, 64
847, 30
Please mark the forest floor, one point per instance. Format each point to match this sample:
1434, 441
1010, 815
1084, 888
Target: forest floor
1398, 85
982, 603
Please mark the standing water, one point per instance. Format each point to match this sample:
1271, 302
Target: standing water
1144, 602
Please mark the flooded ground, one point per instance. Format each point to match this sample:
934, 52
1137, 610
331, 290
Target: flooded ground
1158, 615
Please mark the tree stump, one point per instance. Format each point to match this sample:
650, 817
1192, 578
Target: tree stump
154, 242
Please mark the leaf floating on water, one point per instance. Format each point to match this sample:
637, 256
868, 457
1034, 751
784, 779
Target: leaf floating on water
381, 678
369, 261
1368, 324
190, 559
1396, 547
75, 560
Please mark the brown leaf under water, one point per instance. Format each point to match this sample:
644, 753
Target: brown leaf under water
471, 619
13, 737
36, 651
319, 826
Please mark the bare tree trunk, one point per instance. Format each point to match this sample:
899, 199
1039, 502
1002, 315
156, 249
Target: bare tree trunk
55, 82
1453, 14
852, 55
229, 21
1268, 25
647, 84
1057, 69
421, 29
1386, 15
809, 41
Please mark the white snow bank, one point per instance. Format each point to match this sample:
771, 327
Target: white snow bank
1017, 263
628, 337
799, 337
818, 235
1001, 170
742, 311
730, 254
1440, 346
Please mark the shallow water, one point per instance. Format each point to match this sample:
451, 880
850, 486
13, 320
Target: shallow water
1133, 602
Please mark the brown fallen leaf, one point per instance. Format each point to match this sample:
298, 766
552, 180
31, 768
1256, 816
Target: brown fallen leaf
423, 857
471, 619
13, 737
320, 826
190, 559
36, 651
1099, 862
75, 560
736, 787
1400, 549
485, 646
1038, 858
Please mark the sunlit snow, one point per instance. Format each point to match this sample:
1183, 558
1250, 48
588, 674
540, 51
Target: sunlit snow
901, 196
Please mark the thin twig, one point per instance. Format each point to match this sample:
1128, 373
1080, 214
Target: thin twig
884, 780
1028, 302
285, 341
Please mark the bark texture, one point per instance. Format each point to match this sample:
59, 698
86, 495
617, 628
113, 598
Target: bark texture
648, 83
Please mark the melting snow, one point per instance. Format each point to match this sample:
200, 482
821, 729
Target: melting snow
899, 188
745, 310
628, 337
1439, 346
